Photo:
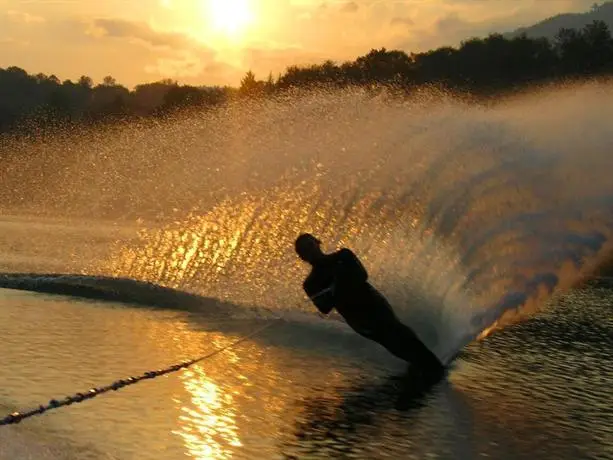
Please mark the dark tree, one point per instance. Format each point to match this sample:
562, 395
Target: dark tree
479, 67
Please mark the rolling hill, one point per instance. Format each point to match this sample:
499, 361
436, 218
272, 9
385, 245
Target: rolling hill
551, 26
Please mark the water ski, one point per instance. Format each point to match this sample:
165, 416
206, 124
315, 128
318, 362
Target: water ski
419, 380
415, 384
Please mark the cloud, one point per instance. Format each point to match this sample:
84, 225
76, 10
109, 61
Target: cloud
184, 65
13, 42
452, 23
138, 32
265, 60
350, 7
23, 17
402, 22
170, 54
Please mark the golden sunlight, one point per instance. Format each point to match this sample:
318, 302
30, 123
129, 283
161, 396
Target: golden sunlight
207, 425
230, 17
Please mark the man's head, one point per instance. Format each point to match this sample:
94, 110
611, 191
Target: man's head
308, 247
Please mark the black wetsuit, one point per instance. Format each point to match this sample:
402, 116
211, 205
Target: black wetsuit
365, 309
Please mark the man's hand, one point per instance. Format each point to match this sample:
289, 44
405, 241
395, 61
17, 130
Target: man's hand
325, 291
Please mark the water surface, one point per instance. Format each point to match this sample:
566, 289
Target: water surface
300, 389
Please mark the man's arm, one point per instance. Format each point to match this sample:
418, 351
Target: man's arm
323, 300
322, 297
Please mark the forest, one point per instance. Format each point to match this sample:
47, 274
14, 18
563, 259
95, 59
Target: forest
480, 68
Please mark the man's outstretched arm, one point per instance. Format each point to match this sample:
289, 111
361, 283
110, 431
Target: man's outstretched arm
321, 298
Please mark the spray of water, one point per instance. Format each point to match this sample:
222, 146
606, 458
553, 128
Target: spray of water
466, 217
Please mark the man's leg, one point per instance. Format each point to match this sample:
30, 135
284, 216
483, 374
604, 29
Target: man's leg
377, 321
402, 342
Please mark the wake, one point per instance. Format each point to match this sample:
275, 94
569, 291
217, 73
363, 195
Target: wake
467, 218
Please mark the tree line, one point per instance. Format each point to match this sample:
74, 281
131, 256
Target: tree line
482, 67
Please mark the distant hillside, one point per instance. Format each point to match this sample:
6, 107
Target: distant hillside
550, 27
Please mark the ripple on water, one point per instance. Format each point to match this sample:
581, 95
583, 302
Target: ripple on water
540, 389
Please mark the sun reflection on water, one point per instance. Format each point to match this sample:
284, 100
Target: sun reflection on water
208, 428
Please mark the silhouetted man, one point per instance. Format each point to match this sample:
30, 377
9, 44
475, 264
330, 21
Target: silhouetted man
339, 280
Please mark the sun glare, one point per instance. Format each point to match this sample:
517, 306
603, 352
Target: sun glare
230, 16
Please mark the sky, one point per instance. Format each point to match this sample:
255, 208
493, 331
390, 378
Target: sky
215, 42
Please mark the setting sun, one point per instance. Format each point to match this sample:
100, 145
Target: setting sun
230, 16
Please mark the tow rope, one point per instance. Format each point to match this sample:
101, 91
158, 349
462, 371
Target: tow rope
16, 417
